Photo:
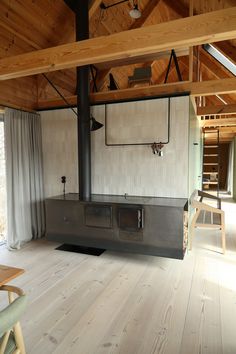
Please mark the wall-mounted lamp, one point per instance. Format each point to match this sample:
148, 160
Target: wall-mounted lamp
95, 125
157, 149
134, 13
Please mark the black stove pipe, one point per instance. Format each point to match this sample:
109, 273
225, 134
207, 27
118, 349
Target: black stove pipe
83, 105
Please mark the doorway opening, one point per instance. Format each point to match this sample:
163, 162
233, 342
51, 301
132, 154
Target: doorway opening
3, 198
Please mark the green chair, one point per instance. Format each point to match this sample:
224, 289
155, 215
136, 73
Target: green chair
11, 339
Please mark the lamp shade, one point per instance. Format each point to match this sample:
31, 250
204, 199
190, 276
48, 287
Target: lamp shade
95, 125
135, 13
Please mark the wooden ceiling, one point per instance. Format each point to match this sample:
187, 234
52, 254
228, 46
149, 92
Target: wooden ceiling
29, 25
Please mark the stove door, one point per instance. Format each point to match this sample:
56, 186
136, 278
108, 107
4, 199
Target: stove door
131, 219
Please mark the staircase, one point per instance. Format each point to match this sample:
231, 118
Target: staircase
210, 180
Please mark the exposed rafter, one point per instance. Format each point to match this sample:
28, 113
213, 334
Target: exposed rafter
206, 28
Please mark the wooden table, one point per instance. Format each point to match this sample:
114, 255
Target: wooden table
8, 273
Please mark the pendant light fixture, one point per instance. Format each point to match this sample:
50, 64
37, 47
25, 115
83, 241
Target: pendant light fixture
135, 12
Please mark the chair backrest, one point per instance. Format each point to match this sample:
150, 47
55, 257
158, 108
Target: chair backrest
11, 314
11, 339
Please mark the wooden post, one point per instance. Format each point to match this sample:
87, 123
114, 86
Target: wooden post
190, 48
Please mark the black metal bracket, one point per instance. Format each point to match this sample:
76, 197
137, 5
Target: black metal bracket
94, 77
60, 94
105, 7
173, 55
112, 83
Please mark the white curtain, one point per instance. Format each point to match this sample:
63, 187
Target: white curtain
25, 200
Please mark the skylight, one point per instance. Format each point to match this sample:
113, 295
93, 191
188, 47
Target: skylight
220, 57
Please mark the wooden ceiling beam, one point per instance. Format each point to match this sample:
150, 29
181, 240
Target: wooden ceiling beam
205, 28
149, 58
93, 7
204, 88
216, 110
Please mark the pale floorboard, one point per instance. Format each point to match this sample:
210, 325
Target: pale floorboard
128, 304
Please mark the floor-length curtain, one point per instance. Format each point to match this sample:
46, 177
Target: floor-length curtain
24, 175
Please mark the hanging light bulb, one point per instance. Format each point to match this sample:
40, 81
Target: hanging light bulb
135, 12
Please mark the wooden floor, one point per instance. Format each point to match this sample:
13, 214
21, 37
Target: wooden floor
130, 304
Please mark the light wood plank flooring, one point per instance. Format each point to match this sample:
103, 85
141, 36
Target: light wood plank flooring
130, 304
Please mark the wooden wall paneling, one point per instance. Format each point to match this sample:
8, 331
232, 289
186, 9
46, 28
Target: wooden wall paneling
11, 45
19, 93
16, 34
203, 6
20, 20
180, 9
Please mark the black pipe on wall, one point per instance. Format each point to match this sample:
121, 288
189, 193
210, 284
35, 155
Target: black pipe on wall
83, 105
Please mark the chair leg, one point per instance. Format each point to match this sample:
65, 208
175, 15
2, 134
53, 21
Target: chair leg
191, 237
19, 338
4, 341
192, 229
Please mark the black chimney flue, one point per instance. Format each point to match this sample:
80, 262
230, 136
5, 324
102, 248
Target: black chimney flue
83, 105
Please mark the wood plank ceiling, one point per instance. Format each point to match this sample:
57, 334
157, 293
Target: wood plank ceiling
28, 25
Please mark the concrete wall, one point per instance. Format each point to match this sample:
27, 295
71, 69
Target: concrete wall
121, 169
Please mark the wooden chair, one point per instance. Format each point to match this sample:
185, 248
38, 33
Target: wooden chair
11, 339
207, 216
141, 75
